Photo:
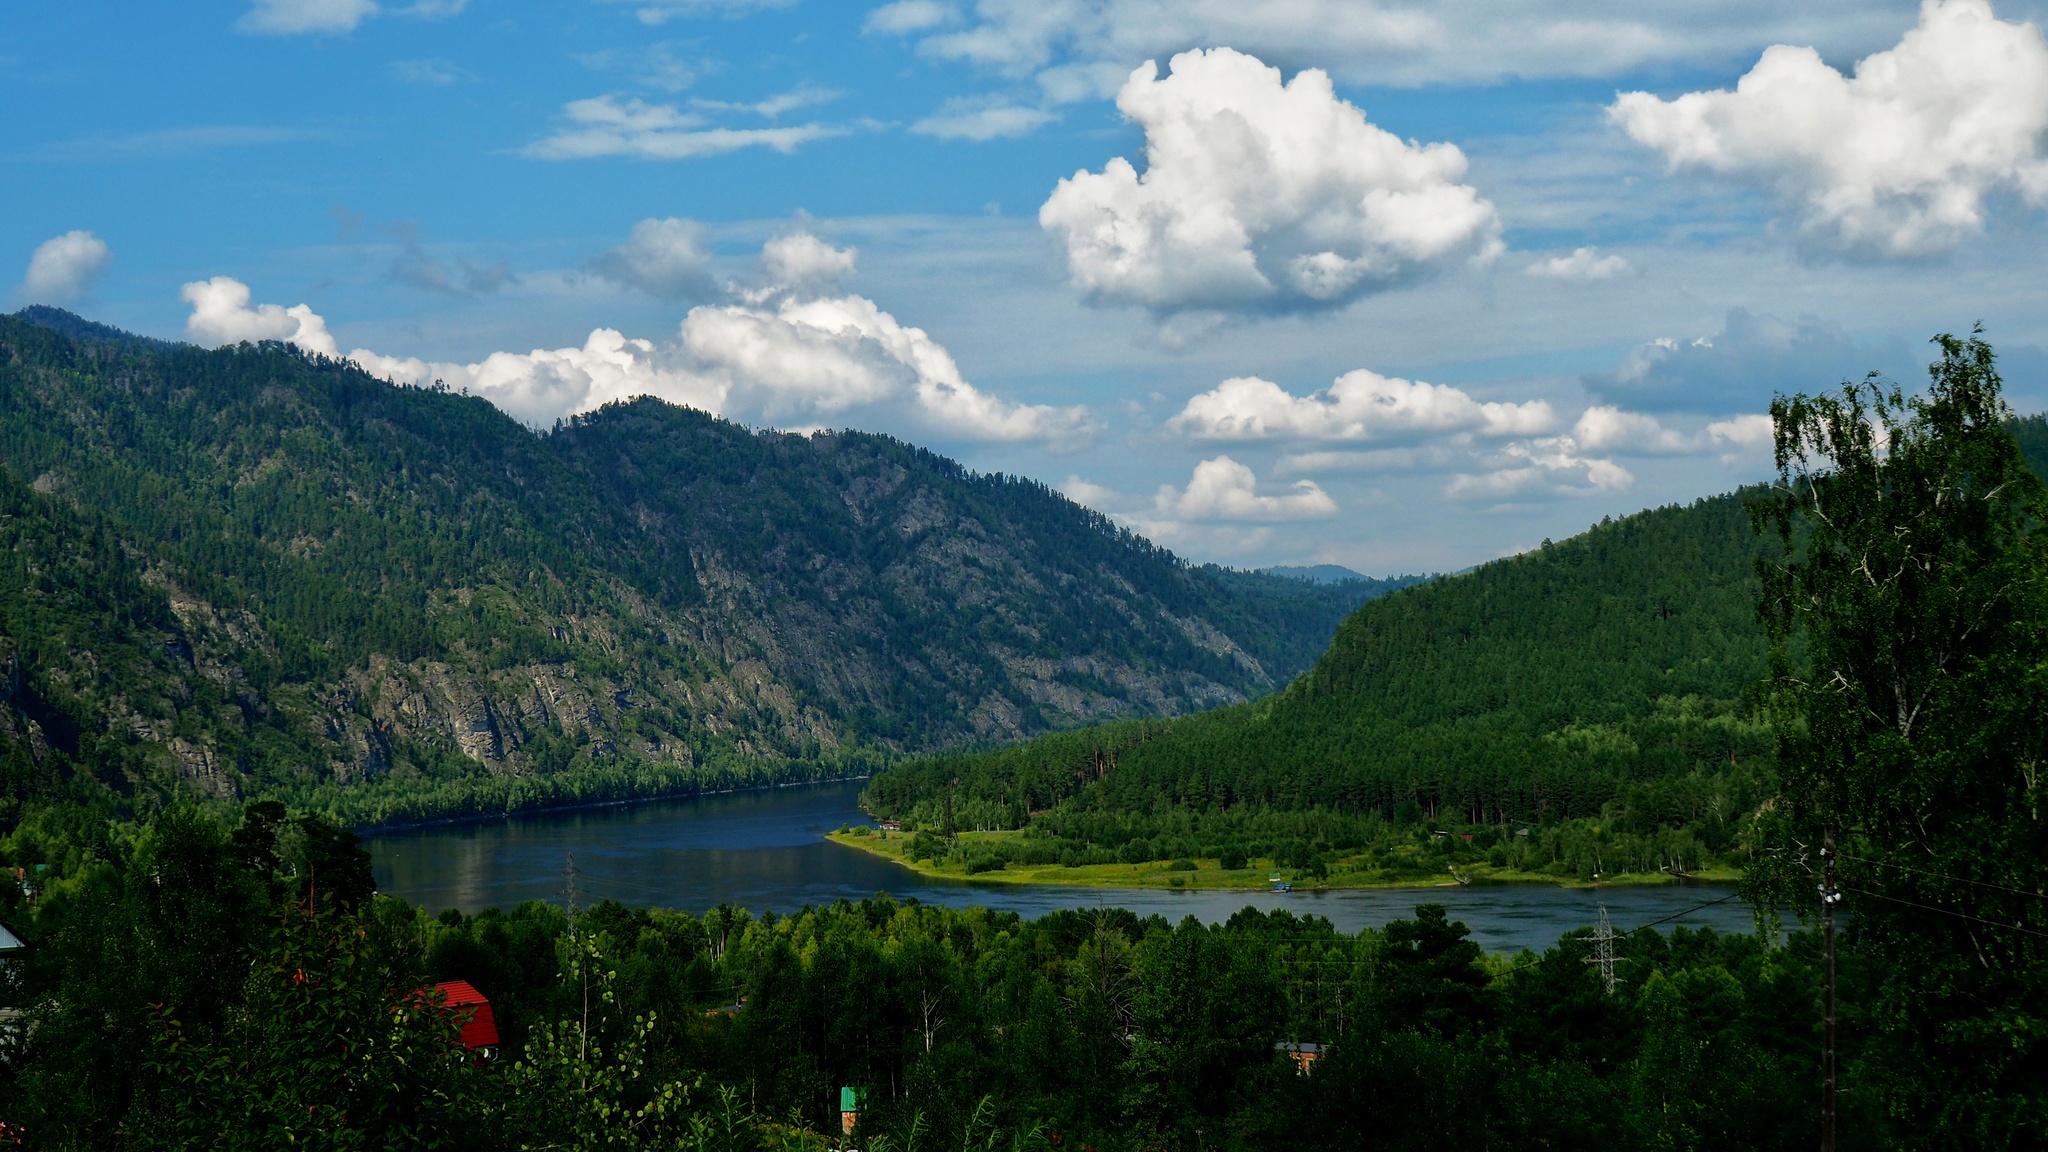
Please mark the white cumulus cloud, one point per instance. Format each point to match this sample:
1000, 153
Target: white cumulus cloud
1261, 195
1223, 489
65, 268
221, 315
609, 126
1359, 405
1581, 264
1897, 159
1604, 428
662, 257
1554, 466
543, 385
799, 261
1746, 431
787, 356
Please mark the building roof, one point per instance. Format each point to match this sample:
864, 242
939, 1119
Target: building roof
479, 1026
9, 942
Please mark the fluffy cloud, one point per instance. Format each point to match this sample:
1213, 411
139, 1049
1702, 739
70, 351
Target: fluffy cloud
1359, 405
1582, 264
299, 17
664, 258
785, 355
1069, 45
1745, 431
1741, 367
1223, 489
1260, 195
1896, 160
972, 118
543, 385
65, 268
809, 358
1541, 468
800, 262
1603, 428
609, 126
221, 315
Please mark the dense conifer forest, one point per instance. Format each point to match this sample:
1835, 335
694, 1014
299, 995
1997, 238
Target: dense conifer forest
233, 988
1586, 707
214, 975
247, 572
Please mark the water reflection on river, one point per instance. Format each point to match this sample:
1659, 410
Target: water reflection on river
763, 850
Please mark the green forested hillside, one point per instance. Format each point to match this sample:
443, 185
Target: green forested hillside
1598, 677
393, 602
1583, 708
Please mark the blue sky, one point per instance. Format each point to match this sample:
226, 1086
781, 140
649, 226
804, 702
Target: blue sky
1482, 274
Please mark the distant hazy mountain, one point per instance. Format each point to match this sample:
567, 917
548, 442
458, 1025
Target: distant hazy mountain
257, 572
1315, 573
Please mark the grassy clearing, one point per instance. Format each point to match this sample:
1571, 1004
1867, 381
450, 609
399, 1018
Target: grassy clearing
1209, 874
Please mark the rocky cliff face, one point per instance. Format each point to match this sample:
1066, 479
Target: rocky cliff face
311, 581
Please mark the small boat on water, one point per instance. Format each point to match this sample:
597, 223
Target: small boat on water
1280, 885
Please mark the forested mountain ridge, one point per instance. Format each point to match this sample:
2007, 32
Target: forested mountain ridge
256, 572
1599, 677
1580, 709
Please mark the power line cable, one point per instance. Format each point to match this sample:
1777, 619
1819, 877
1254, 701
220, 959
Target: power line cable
1944, 911
1646, 924
1946, 876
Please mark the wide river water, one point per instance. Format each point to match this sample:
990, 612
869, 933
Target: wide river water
765, 851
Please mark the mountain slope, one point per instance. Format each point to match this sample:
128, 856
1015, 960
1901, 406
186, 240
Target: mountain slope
395, 601
1535, 687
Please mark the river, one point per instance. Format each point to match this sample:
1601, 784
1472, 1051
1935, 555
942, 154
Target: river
764, 851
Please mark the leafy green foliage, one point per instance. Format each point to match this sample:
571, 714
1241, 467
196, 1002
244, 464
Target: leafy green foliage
1910, 628
638, 1028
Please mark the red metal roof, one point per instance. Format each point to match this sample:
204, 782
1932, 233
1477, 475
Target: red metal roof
479, 1027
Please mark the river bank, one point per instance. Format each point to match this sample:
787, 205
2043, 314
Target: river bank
1209, 875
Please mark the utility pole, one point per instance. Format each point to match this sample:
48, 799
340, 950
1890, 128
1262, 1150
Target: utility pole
1603, 950
582, 961
1829, 897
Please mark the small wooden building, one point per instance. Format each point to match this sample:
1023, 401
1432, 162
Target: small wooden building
1304, 1053
12, 951
479, 1027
